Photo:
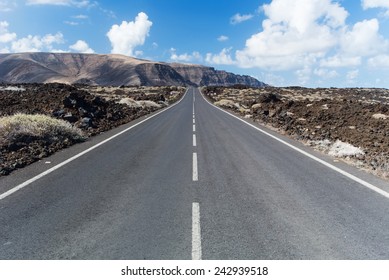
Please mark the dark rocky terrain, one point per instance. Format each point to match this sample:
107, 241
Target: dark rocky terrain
91, 109
115, 70
351, 124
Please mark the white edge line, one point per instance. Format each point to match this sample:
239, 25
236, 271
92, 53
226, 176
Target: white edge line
37, 177
196, 232
195, 174
350, 176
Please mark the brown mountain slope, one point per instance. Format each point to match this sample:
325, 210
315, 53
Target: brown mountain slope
110, 69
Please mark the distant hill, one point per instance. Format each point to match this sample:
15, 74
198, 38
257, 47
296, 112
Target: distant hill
115, 70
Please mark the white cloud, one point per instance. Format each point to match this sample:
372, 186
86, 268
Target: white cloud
312, 38
238, 18
72, 23
5, 36
79, 4
367, 4
364, 39
341, 61
301, 14
50, 39
303, 75
27, 44
127, 36
352, 75
272, 79
37, 43
6, 6
325, 73
222, 38
293, 30
224, 57
194, 56
138, 53
380, 61
361, 40
80, 16
79, 19
81, 47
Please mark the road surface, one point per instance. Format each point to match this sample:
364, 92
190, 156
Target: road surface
192, 182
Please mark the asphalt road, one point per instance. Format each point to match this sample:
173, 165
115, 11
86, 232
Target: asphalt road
191, 182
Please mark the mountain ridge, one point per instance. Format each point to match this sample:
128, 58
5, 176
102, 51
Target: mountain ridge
111, 69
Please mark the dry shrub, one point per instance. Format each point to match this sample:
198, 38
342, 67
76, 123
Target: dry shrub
24, 128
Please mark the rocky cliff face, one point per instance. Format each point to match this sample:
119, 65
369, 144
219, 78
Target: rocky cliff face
112, 70
208, 76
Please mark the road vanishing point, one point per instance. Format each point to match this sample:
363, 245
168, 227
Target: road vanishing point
192, 182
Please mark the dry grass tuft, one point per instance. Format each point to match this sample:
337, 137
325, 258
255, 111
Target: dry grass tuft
23, 127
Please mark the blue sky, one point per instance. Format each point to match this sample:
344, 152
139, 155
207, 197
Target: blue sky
313, 43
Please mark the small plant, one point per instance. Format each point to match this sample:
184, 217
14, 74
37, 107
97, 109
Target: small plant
26, 128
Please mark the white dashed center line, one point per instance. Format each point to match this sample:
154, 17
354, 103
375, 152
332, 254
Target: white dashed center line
196, 232
194, 140
195, 174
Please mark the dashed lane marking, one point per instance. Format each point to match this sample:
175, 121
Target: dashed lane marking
195, 174
196, 232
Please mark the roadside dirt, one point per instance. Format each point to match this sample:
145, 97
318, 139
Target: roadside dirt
351, 124
92, 109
